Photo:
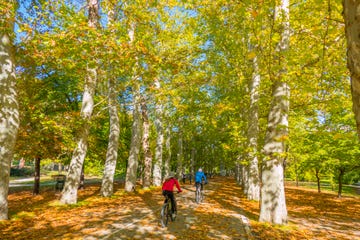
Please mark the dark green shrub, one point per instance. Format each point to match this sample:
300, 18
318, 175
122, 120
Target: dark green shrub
21, 172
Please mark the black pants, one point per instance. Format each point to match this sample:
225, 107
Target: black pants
170, 194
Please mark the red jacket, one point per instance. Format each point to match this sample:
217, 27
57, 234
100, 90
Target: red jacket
168, 185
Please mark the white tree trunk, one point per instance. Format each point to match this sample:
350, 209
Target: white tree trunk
180, 155
237, 173
131, 171
146, 146
192, 163
159, 142
158, 154
272, 204
168, 151
245, 178
107, 185
9, 110
69, 193
352, 32
253, 191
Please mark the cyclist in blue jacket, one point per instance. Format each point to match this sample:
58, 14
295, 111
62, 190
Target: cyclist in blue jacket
198, 178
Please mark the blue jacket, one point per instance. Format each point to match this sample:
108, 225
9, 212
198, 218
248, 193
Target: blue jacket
199, 176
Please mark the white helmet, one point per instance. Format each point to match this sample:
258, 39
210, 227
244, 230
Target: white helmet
170, 175
200, 169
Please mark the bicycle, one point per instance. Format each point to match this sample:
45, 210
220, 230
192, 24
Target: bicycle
199, 193
166, 212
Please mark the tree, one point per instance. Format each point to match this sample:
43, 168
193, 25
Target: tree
41, 133
317, 154
352, 31
343, 149
168, 151
146, 145
69, 193
157, 180
253, 192
107, 184
9, 113
132, 164
272, 203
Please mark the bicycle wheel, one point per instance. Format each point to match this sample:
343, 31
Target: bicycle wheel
197, 194
165, 214
203, 194
170, 212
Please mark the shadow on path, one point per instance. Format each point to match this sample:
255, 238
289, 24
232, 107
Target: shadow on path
212, 219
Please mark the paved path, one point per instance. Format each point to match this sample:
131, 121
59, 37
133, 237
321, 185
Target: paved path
29, 182
218, 217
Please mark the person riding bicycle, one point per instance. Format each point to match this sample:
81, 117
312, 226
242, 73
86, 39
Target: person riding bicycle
168, 190
199, 176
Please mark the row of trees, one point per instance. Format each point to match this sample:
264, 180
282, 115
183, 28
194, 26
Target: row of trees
139, 88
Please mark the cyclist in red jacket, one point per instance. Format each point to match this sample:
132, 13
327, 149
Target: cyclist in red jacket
168, 189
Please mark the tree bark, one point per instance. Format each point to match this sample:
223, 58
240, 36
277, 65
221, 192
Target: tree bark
146, 145
107, 185
192, 162
157, 179
245, 178
131, 171
36, 189
132, 165
9, 109
180, 155
82, 178
238, 173
341, 175
69, 193
318, 180
272, 204
352, 31
168, 151
253, 191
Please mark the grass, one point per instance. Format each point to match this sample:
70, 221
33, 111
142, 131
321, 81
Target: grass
347, 190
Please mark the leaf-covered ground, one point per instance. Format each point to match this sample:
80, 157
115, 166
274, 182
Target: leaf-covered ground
225, 214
